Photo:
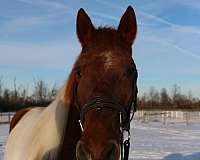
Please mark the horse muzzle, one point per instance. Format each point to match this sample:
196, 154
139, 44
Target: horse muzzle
108, 152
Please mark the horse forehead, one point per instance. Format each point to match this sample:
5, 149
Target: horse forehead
109, 60
113, 60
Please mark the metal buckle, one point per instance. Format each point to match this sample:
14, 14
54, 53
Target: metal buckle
126, 136
80, 125
126, 144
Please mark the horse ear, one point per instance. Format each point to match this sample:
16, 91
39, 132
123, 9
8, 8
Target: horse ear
128, 26
84, 27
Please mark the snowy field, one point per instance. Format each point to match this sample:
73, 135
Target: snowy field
3, 137
173, 141
153, 140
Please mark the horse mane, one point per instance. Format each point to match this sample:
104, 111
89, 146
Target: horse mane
65, 93
64, 99
105, 31
105, 35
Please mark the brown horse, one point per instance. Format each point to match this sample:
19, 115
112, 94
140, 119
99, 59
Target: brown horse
86, 119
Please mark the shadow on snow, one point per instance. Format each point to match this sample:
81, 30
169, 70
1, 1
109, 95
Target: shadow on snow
178, 156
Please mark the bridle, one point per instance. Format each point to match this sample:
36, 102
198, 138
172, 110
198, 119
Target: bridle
100, 102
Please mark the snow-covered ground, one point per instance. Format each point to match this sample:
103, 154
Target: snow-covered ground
173, 141
153, 140
3, 137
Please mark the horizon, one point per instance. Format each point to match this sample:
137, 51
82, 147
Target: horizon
38, 40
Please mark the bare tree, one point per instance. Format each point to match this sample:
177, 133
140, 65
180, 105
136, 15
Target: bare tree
153, 97
15, 94
52, 92
190, 98
164, 97
1, 87
6, 95
176, 94
40, 91
143, 100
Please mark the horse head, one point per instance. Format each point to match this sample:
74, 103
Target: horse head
105, 76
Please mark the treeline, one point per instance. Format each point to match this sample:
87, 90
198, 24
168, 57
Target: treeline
165, 100
41, 95
19, 97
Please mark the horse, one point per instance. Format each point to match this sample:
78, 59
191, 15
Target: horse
92, 109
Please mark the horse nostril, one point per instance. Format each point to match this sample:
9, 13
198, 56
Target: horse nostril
111, 151
82, 153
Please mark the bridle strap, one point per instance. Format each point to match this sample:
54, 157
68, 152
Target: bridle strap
101, 102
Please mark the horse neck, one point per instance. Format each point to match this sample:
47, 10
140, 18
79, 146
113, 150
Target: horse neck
72, 133
67, 149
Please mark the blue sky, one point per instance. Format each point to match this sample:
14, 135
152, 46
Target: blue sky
38, 40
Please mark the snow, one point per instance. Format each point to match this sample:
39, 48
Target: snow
3, 137
153, 140
173, 141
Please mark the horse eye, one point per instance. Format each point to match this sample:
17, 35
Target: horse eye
130, 71
78, 73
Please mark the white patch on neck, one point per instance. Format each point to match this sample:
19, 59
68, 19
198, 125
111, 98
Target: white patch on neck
40, 131
50, 130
